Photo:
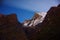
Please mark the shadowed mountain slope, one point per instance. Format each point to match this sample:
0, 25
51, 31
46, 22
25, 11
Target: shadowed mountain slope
50, 28
9, 28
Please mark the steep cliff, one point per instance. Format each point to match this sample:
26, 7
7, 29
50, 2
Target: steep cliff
10, 28
50, 27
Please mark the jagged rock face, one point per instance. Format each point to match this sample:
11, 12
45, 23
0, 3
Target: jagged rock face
36, 19
10, 29
26, 22
39, 17
50, 28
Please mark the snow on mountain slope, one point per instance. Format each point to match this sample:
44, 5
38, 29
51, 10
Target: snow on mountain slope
36, 19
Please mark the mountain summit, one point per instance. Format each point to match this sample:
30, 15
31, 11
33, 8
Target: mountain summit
36, 19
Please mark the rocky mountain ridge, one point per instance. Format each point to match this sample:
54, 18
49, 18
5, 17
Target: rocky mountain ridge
49, 29
36, 19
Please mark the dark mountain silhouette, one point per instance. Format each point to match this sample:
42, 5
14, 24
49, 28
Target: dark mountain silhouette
9, 28
59, 5
31, 33
49, 29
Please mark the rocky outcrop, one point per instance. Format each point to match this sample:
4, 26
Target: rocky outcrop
36, 19
10, 28
50, 27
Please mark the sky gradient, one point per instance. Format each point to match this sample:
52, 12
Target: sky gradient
25, 9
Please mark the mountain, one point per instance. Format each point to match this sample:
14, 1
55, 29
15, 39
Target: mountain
59, 5
36, 19
10, 28
32, 31
50, 27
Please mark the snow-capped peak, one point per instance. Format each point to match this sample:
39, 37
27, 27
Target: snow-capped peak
36, 19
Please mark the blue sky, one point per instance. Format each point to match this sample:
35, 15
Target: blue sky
22, 14
25, 8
